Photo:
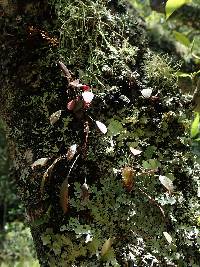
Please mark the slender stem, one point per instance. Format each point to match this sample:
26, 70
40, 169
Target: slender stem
153, 201
73, 165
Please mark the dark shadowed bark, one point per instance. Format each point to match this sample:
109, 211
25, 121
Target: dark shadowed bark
96, 204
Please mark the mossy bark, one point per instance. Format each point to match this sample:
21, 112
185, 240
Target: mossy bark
113, 57
32, 88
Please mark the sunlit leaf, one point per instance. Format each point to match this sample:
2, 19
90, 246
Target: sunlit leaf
87, 96
135, 152
154, 163
168, 237
71, 152
64, 196
151, 164
181, 38
102, 127
106, 246
40, 162
55, 117
146, 93
167, 183
115, 127
195, 126
146, 164
173, 5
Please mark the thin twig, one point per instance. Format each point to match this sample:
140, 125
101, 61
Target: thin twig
65, 71
86, 134
153, 201
73, 165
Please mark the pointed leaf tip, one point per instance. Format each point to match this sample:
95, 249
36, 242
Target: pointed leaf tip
102, 127
168, 237
106, 246
173, 5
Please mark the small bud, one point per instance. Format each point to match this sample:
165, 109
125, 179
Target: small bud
71, 105
128, 174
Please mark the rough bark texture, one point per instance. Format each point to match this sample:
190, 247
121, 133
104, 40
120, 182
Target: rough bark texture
33, 88
28, 97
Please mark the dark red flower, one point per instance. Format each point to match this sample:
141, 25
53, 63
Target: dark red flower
85, 88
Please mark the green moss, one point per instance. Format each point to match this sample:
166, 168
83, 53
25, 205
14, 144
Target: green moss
91, 31
160, 70
106, 48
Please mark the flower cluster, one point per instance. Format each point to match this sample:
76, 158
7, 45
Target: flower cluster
81, 101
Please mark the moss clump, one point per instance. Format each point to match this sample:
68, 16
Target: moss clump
104, 45
160, 70
92, 30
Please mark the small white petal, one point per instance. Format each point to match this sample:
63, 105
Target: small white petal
79, 85
146, 92
39, 162
88, 238
87, 96
102, 127
168, 237
167, 183
135, 151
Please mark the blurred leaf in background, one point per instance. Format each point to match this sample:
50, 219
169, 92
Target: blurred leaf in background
16, 244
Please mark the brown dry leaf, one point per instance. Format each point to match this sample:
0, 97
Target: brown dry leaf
65, 70
48, 173
71, 152
85, 192
64, 196
128, 180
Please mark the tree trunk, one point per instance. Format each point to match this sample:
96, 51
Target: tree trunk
82, 200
